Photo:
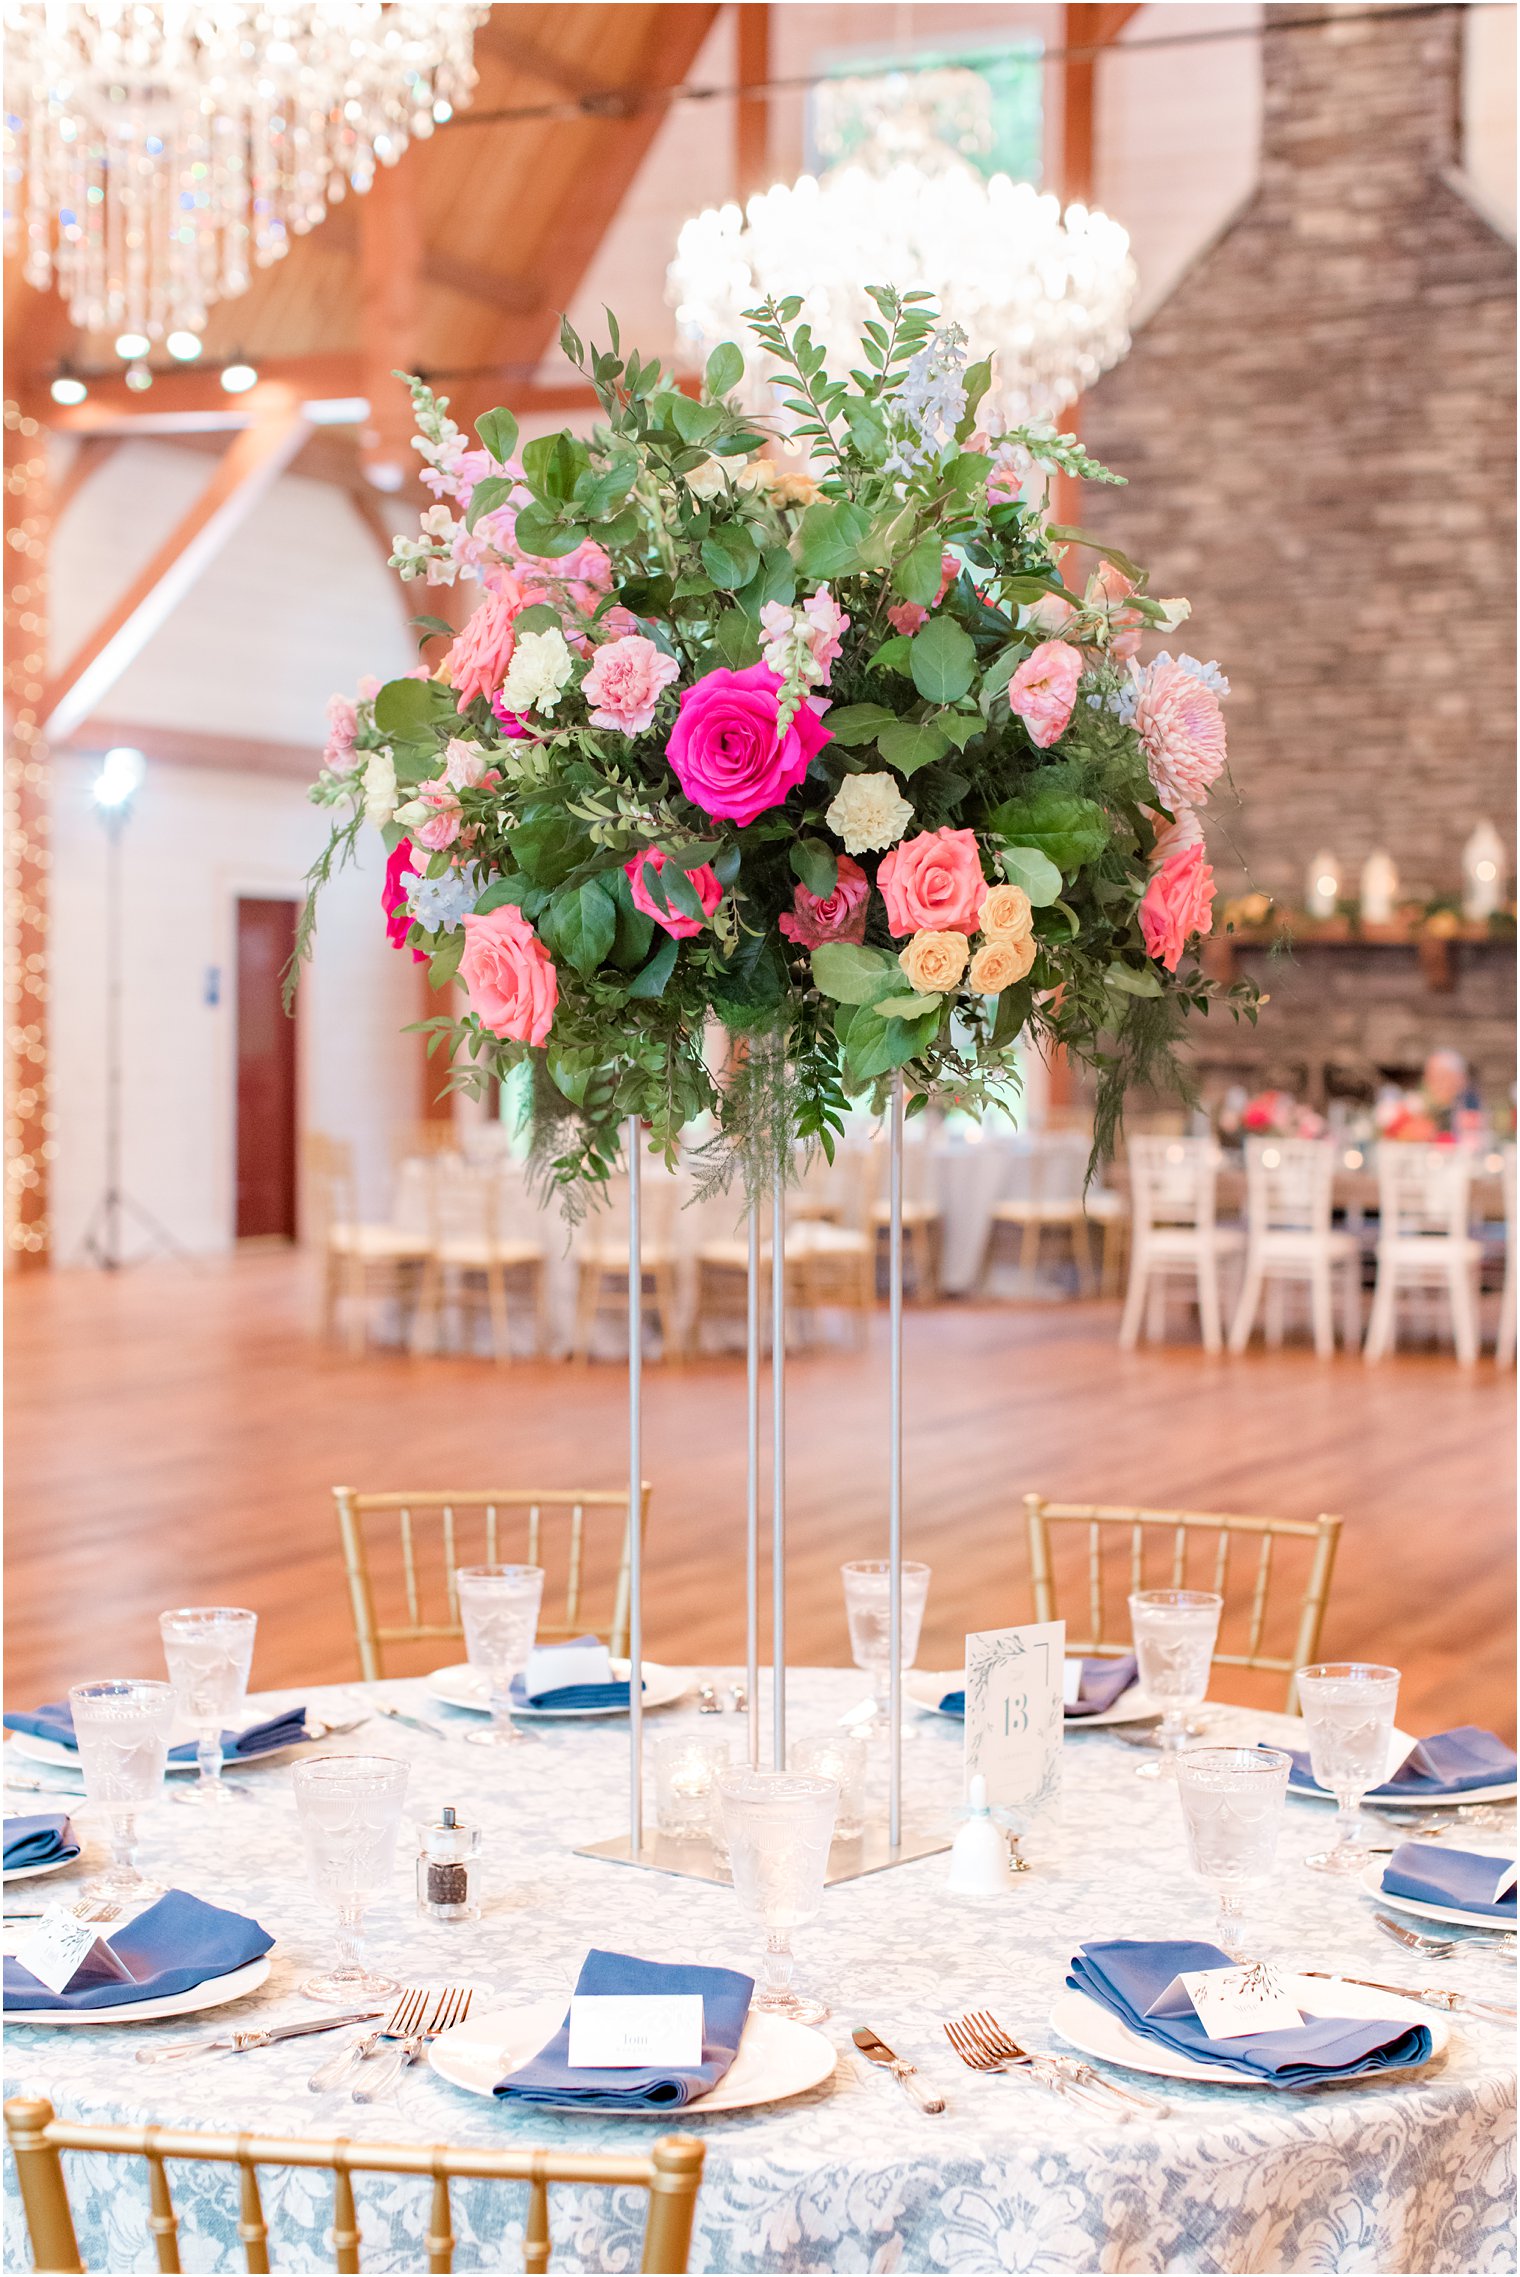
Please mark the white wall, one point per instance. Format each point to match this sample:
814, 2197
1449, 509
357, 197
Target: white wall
1488, 108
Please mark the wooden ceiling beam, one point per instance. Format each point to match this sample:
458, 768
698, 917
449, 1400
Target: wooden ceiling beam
504, 44
752, 113
341, 234
89, 457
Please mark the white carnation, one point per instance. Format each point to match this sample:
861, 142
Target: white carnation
380, 788
869, 813
541, 665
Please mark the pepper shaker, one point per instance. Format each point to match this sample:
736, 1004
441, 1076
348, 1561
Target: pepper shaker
448, 1876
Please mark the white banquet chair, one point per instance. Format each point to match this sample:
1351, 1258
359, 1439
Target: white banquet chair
1175, 1235
1425, 1244
1053, 1202
361, 1262
1289, 1237
476, 1255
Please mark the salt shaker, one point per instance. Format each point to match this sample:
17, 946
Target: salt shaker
448, 1876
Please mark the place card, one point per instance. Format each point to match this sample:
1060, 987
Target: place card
627, 2031
552, 1666
1015, 1711
1231, 2004
60, 1945
1505, 1882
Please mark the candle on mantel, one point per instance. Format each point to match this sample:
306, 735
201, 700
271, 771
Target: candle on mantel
1380, 887
1483, 871
1323, 890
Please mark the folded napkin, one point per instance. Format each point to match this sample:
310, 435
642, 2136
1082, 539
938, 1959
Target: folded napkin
549, 1690
1448, 1763
40, 1838
175, 1945
547, 2077
1103, 1682
1127, 1976
1461, 1878
55, 1720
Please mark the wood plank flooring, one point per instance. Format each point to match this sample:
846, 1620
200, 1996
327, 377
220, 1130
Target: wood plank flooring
174, 1433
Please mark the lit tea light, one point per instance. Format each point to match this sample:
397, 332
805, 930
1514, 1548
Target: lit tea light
686, 1767
1323, 890
1379, 889
1483, 873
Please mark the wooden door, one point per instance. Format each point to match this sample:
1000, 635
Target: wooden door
266, 1073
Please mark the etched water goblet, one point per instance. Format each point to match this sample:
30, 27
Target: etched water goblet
122, 1726
208, 1650
498, 1605
1175, 1632
1347, 1707
868, 1608
1233, 1800
778, 1826
349, 1809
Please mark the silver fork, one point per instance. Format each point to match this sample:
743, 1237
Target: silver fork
451, 2008
977, 2057
406, 2015
84, 1909
998, 2043
1442, 1948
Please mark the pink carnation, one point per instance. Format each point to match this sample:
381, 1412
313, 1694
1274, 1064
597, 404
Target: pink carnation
726, 752
839, 916
1044, 688
1181, 729
398, 919
509, 975
444, 815
675, 921
933, 883
1179, 902
477, 662
625, 681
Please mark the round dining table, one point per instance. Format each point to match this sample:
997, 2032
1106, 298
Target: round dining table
1412, 2171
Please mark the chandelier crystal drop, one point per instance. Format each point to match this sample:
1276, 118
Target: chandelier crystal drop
1049, 293
157, 152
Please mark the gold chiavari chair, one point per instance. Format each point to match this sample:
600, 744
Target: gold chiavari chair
1180, 1531
670, 2172
431, 1523
475, 1255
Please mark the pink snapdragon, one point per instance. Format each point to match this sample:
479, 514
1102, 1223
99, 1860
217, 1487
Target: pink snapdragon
838, 916
625, 682
1044, 689
440, 826
675, 921
1178, 902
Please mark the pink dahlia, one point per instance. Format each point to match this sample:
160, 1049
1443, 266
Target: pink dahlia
1181, 729
1179, 902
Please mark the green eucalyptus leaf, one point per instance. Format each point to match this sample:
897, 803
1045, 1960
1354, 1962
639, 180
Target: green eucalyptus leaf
851, 724
693, 422
1026, 866
911, 1007
774, 580
571, 1076
1131, 981
498, 432
942, 661
1068, 828
651, 981
961, 727
725, 369
852, 974
816, 864
894, 655
495, 490
539, 617
553, 464
909, 744
829, 538
540, 532
737, 639
917, 576
516, 891
444, 961
730, 556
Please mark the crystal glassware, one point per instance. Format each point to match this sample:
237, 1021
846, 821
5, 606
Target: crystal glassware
1174, 1632
686, 1767
844, 1759
499, 1607
1232, 1807
1347, 1708
122, 1727
208, 1650
867, 1604
779, 1825
349, 1808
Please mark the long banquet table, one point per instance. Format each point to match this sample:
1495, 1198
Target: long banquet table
1413, 2173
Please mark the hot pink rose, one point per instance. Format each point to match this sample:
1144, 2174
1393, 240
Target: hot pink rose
1044, 688
398, 919
477, 662
839, 916
509, 975
1179, 902
933, 883
675, 921
444, 816
1181, 728
625, 681
724, 747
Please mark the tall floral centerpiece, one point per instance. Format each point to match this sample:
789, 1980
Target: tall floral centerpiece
829, 753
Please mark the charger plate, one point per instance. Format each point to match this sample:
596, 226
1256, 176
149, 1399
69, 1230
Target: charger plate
1399, 1744
216, 1992
1372, 1883
1096, 2031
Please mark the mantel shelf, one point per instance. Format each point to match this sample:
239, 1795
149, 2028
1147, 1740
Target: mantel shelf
1431, 938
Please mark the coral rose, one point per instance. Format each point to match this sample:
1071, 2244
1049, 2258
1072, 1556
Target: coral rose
998, 963
1006, 914
398, 917
477, 662
933, 883
724, 747
625, 681
1179, 902
509, 975
934, 962
675, 921
1185, 829
1044, 688
839, 916
1181, 729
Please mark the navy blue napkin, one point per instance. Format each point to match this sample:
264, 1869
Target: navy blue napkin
1128, 1975
39, 1838
1459, 1878
612, 1695
1103, 1682
175, 1945
55, 1720
1448, 1763
547, 2077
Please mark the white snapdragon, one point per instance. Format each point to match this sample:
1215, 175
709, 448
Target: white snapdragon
538, 673
869, 813
931, 401
380, 787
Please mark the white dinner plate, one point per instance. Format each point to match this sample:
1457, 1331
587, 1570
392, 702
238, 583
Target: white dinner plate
61, 1758
465, 1687
926, 1691
1399, 1744
1372, 1883
216, 1992
1084, 2024
49, 1866
776, 2058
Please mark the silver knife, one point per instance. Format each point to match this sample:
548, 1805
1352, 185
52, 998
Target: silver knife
873, 2046
413, 1723
1430, 1996
239, 2041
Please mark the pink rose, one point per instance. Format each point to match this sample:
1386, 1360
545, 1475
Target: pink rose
1181, 729
1044, 688
509, 975
839, 916
724, 747
444, 816
398, 920
933, 883
675, 921
907, 616
1179, 902
625, 681
477, 662
465, 766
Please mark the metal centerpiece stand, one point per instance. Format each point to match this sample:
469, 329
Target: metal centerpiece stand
878, 1846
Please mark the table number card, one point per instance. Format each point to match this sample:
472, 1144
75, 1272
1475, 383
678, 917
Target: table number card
1015, 1684
627, 2031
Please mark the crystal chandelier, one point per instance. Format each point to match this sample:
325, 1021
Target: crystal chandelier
158, 151
902, 205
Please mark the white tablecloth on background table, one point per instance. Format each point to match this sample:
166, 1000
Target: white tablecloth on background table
973, 1174
1410, 2174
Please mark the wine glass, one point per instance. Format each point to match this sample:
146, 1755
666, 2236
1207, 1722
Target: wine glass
499, 1607
122, 1726
1348, 1714
778, 1826
349, 1808
1174, 1632
1233, 1800
208, 1650
868, 1608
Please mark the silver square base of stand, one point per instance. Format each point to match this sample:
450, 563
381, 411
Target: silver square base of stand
698, 1861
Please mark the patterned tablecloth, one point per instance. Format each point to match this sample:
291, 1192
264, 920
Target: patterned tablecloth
1411, 2175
